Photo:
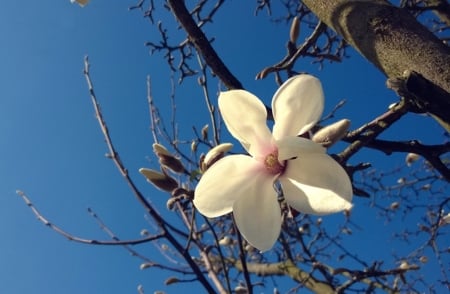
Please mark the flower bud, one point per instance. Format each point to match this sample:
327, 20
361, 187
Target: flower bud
445, 220
423, 259
172, 163
82, 3
205, 132
171, 202
167, 159
295, 30
240, 290
159, 180
160, 149
171, 280
225, 241
215, 154
410, 158
194, 145
394, 205
145, 265
331, 134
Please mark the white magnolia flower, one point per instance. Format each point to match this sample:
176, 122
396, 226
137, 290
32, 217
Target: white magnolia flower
312, 182
82, 3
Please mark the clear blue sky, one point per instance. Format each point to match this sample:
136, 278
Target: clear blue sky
51, 146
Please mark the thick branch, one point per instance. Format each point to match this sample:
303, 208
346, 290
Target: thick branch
286, 268
387, 36
202, 44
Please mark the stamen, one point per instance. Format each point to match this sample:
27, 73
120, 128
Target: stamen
272, 164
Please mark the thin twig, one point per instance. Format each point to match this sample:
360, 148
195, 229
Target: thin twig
162, 224
74, 238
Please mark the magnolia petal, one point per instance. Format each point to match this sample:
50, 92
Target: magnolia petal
227, 180
297, 106
258, 216
316, 184
245, 117
292, 147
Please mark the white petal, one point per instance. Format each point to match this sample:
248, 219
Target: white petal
258, 216
227, 180
245, 117
297, 106
316, 184
292, 147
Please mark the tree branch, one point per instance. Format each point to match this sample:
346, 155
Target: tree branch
202, 44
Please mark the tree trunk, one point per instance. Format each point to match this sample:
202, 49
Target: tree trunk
391, 39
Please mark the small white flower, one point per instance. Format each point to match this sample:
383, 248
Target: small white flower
312, 182
82, 3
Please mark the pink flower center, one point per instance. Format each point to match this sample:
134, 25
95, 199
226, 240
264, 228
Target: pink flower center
272, 164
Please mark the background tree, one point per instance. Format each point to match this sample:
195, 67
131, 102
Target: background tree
407, 42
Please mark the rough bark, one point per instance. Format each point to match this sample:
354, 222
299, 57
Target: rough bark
390, 38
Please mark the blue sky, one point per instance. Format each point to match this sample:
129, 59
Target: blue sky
51, 146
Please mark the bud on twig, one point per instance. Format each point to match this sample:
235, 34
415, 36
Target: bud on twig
82, 3
160, 149
145, 265
295, 30
225, 241
171, 280
194, 145
215, 154
410, 158
172, 163
167, 159
329, 135
205, 132
159, 180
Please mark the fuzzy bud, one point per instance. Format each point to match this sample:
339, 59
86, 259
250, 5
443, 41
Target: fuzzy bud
445, 220
171, 202
171, 162
215, 154
82, 3
171, 280
159, 180
411, 158
295, 30
145, 265
205, 132
423, 259
160, 149
240, 290
394, 205
329, 135
167, 159
225, 241
194, 145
